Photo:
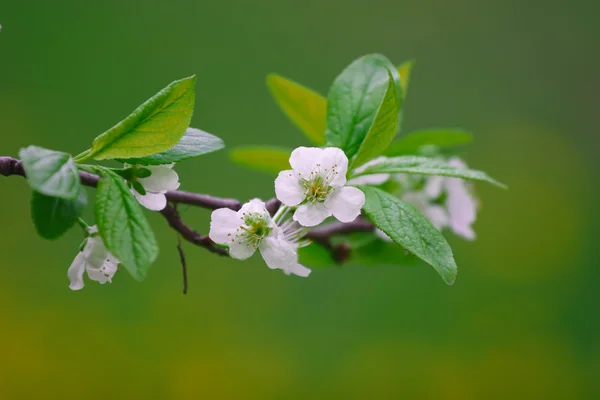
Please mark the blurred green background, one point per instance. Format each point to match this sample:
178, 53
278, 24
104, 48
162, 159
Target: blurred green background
521, 320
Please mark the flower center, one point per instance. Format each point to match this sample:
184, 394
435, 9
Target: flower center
317, 186
316, 189
256, 227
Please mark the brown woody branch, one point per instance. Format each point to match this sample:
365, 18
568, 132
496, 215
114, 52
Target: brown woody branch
321, 235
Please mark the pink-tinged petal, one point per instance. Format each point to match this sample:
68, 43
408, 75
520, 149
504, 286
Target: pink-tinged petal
437, 215
278, 252
162, 178
374, 179
253, 206
457, 163
304, 160
240, 250
345, 203
462, 208
382, 235
334, 163
75, 272
433, 186
311, 214
298, 270
288, 188
223, 225
152, 201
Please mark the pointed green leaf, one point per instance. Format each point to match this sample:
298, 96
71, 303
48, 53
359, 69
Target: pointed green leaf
442, 138
49, 172
383, 130
410, 229
306, 108
193, 144
53, 216
123, 227
154, 127
354, 100
262, 158
405, 70
427, 166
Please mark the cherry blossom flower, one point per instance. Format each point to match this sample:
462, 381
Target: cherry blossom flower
94, 259
151, 190
460, 204
372, 179
446, 202
250, 229
316, 184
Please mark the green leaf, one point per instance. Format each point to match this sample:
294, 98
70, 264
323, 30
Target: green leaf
194, 143
427, 166
155, 126
383, 130
262, 158
306, 108
410, 229
122, 225
49, 172
53, 216
354, 101
405, 70
442, 138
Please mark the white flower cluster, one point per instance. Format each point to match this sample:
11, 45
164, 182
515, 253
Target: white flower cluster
446, 202
315, 186
94, 259
313, 190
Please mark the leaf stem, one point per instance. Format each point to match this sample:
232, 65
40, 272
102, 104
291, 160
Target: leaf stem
83, 225
82, 156
280, 214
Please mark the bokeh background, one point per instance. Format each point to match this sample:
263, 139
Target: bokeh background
520, 322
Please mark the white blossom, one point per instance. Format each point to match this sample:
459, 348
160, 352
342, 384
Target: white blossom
316, 184
372, 179
250, 229
162, 179
460, 204
94, 259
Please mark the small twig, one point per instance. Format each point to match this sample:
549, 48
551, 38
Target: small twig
321, 235
183, 264
11, 166
189, 234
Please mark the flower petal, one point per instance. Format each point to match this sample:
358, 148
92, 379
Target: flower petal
298, 269
94, 251
163, 178
437, 215
253, 206
304, 160
433, 186
382, 235
152, 201
373, 179
240, 250
462, 208
311, 214
345, 203
223, 225
334, 159
75, 272
288, 188
105, 272
278, 252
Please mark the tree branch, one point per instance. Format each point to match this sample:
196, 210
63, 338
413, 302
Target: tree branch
11, 166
